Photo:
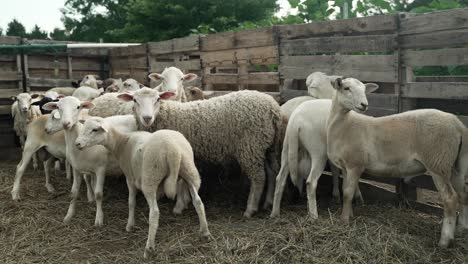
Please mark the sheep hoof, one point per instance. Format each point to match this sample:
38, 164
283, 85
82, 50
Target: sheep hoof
50, 188
98, 223
15, 195
313, 217
248, 214
146, 253
206, 236
274, 215
67, 219
445, 243
129, 228
177, 211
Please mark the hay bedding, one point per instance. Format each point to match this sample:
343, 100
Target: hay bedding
31, 231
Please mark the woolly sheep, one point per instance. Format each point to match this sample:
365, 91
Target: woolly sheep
172, 80
242, 126
113, 85
91, 81
398, 145
64, 91
152, 162
194, 93
85, 93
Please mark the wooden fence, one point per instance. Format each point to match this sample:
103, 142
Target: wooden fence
386, 49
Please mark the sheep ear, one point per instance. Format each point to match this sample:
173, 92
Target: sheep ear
86, 105
125, 97
166, 95
155, 76
103, 128
141, 85
96, 76
50, 106
371, 87
99, 82
190, 77
13, 98
34, 96
338, 84
82, 121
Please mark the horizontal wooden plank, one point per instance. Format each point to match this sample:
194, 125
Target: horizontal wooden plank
387, 101
10, 76
8, 58
49, 82
447, 78
353, 26
4, 40
188, 65
5, 109
63, 65
129, 51
129, 62
441, 39
378, 68
431, 22
241, 39
344, 44
441, 57
259, 78
436, 90
88, 52
258, 55
220, 78
190, 43
8, 93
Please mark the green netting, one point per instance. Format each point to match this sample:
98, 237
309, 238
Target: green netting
33, 49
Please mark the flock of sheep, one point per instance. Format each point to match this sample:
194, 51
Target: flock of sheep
153, 136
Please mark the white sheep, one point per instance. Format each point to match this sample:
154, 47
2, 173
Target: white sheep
23, 113
172, 80
130, 85
152, 162
38, 138
93, 161
63, 91
85, 93
91, 80
244, 126
113, 85
400, 145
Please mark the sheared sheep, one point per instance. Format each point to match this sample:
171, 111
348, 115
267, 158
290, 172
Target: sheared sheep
172, 80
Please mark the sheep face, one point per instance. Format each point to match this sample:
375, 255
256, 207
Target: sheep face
146, 104
69, 109
113, 85
91, 81
320, 85
130, 85
172, 79
351, 93
94, 132
24, 101
53, 123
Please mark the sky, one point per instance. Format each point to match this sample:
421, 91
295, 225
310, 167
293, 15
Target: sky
46, 13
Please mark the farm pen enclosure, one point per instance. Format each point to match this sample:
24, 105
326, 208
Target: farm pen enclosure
391, 50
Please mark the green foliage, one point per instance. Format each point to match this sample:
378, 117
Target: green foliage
15, 28
312, 10
59, 34
37, 33
436, 5
1, 31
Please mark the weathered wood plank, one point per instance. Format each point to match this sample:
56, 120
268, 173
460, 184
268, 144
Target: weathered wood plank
379, 68
139, 50
4, 40
49, 82
7, 58
88, 52
447, 78
186, 65
441, 57
10, 76
344, 44
136, 62
258, 55
387, 101
259, 78
353, 26
8, 93
242, 39
431, 22
220, 78
39, 63
435, 90
190, 43
441, 39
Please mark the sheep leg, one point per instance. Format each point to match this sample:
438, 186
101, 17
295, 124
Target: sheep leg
47, 169
450, 201
56, 167
100, 177
183, 197
257, 183
75, 193
153, 220
131, 205
349, 187
336, 183
28, 151
458, 182
318, 165
270, 187
279, 189
200, 208
68, 169
35, 163
89, 187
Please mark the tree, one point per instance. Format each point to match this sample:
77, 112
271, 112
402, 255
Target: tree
312, 10
1, 31
37, 33
15, 28
58, 34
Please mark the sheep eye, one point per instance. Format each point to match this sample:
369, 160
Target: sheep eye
95, 130
134, 100
346, 88
78, 107
182, 79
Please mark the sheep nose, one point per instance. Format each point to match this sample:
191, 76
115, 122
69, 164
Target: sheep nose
364, 105
78, 145
24, 108
66, 125
147, 119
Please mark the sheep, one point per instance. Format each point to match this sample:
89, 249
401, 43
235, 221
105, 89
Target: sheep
91, 81
38, 138
193, 93
242, 126
85, 93
172, 80
64, 91
109, 105
49, 96
152, 162
96, 160
113, 85
130, 85
399, 145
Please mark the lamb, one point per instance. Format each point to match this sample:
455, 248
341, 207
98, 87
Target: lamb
193, 93
38, 138
91, 81
85, 93
242, 126
399, 145
64, 91
152, 162
113, 85
130, 85
49, 96
95, 160
172, 80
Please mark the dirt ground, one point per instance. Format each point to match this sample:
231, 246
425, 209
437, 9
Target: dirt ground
32, 231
